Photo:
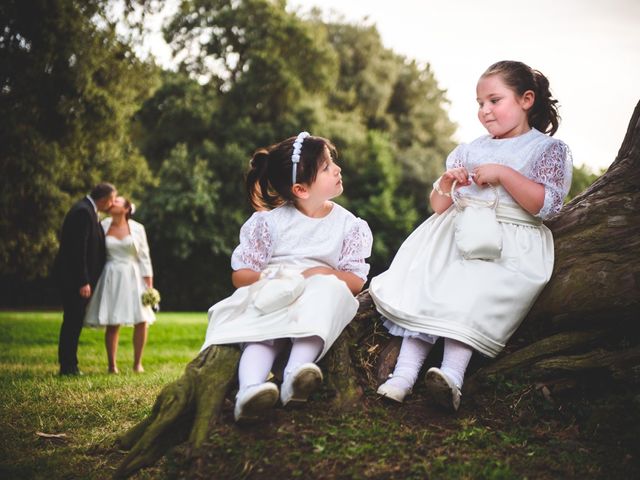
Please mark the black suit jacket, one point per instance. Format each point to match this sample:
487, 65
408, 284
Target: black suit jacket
82, 250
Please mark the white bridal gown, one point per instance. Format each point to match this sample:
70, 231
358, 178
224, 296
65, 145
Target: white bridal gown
117, 297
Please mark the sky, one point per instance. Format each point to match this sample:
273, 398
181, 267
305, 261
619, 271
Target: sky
588, 49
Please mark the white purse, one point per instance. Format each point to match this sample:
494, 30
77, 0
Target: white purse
477, 232
280, 288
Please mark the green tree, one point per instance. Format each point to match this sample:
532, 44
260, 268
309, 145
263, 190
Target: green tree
251, 74
68, 88
583, 177
192, 220
266, 64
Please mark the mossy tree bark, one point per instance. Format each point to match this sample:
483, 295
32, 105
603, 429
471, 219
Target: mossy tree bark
586, 319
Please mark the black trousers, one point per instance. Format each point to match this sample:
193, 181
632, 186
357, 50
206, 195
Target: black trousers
74, 308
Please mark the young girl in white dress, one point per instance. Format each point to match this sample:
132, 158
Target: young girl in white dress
430, 289
126, 276
300, 261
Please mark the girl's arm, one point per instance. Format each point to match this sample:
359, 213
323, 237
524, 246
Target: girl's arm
354, 282
244, 277
528, 194
441, 201
252, 256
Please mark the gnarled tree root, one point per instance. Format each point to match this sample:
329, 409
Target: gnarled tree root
184, 409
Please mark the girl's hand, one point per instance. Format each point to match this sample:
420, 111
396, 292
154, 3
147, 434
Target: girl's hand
440, 196
460, 174
354, 283
489, 173
309, 272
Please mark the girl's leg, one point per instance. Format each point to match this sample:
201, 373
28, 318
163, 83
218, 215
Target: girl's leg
139, 341
256, 395
455, 360
111, 342
444, 383
304, 350
256, 362
413, 353
301, 375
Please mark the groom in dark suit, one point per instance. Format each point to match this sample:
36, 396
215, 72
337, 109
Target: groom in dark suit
78, 266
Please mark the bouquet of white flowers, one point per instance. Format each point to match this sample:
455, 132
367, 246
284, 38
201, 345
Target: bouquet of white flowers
151, 298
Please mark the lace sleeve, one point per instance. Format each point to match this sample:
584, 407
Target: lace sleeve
553, 169
356, 246
456, 158
256, 244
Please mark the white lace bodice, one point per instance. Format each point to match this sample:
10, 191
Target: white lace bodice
286, 237
537, 156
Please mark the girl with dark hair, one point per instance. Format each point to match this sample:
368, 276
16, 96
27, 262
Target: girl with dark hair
435, 286
300, 261
126, 276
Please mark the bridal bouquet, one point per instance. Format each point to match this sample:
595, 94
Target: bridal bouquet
151, 298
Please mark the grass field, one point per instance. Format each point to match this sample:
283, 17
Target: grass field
89, 410
509, 431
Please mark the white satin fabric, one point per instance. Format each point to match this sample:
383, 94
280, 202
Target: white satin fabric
430, 289
325, 308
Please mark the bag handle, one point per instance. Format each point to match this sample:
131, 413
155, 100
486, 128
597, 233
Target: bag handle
460, 207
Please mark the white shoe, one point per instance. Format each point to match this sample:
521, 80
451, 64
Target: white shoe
441, 390
299, 384
392, 392
253, 401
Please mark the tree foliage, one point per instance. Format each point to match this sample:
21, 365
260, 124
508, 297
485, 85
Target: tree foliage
79, 107
252, 73
68, 89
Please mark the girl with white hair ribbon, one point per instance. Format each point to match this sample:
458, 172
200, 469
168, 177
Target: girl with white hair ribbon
300, 261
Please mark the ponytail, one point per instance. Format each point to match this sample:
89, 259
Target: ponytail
543, 115
257, 182
269, 181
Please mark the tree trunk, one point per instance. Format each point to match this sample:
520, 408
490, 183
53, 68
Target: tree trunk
588, 316
586, 319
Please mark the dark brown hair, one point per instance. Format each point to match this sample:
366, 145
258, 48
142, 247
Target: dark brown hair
269, 178
102, 190
127, 206
543, 115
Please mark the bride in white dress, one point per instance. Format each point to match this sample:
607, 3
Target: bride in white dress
126, 275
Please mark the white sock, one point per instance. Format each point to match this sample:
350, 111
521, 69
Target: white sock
256, 362
304, 350
412, 355
455, 360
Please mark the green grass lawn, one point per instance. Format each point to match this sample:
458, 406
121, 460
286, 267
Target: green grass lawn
508, 431
90, 410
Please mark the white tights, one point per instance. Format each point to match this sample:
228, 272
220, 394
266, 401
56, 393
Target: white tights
258, 357
414, 351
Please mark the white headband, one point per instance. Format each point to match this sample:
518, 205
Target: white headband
295, 157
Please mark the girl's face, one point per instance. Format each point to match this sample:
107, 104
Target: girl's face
500, 110
118, 206
328, 182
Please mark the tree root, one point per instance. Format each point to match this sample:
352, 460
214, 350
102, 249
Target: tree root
184, 409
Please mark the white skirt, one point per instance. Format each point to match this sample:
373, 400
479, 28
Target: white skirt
117, 297
324, 309
430, 288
